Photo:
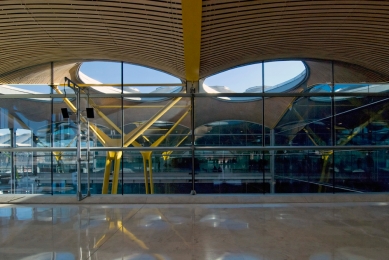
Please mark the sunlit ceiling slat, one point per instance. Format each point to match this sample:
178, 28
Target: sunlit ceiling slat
232, 32
36, 32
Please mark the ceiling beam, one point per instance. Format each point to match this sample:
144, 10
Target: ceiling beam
191, 23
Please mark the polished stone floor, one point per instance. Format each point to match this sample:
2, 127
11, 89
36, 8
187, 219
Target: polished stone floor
316, 231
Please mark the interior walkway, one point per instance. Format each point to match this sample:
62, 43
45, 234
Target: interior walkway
315, 231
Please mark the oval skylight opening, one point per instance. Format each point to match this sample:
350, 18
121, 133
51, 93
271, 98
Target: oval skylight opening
279, 76
99, 72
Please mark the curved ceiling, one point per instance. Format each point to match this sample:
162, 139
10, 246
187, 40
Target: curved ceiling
151, 33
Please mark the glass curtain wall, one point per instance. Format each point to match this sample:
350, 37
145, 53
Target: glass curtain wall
311, 133
304, 123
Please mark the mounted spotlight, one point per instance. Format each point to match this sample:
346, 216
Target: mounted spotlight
90, 112
65, 113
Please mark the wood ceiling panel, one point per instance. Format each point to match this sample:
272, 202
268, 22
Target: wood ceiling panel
237, 32
233, 32
37, 32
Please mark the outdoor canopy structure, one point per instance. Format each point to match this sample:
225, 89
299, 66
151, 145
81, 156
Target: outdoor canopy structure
340, 42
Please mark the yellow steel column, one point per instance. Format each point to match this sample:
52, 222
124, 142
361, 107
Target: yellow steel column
107, 172
324, 171
145, 172
115, 180
191, 23
151, 173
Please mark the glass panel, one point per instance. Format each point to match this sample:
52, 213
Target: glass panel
27, 89
18, 173
24, 123
362, 121
288, 121
44, 166
25, 179
360, 88
169, 128
281, 76
362, 171
238, 80
24, 114
8, 184
229, 171
170, 171
105, 127
229, 133
5, 137
5, 163
217, 124
65, 173
60, 175
306, 122
134, 74
347, 88
303, 171
100, 72
348, 78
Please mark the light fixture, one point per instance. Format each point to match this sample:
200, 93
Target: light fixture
65, 113
90, 112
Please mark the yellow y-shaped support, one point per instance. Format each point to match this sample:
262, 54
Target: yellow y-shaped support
116, 169
114, 157
128, 140
147, 155
324, 171
107, 172
148, 173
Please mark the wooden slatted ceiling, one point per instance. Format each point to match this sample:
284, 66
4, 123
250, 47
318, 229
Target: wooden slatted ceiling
239, 32
142, 32
150, 33
41, 74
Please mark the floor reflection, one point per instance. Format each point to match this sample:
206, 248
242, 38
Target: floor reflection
50, 256
204, 232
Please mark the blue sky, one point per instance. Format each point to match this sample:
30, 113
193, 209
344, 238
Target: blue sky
238, 79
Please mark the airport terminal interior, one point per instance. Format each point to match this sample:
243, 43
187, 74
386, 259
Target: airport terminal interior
214, 98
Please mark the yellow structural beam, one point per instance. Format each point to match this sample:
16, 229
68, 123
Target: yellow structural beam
134, 134
316, 140
357, 130
129, 139
103, 116
107, 172
66, 100
160, 140
116, 169
147, 159
191, 23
